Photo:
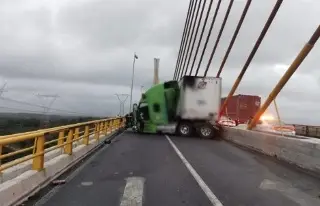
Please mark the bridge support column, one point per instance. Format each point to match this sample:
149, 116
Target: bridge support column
105, 131
101, 128
97, 131
109, 126
76, 134
68, 147
86, 135
38, 159
0, 154
61, 138
113, 124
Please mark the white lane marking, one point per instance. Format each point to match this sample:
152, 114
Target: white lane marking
86, 183
290, 192
213, 199
133, 192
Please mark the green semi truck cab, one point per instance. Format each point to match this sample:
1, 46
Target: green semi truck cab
185, 107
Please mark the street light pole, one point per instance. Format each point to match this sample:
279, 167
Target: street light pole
132, 78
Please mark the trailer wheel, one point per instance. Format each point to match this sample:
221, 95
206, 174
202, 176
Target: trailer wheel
184, 129
206, 131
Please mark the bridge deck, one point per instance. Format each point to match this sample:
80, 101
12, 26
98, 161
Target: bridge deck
235, 176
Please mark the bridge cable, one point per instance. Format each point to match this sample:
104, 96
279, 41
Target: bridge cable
201, 35
208, 36
196, 34
235, 34
188, 33
286, 76
192, 32
191, 7
183, 37
219, 36
253, 52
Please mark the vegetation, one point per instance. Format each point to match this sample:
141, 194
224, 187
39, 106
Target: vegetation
22, 122
11, 123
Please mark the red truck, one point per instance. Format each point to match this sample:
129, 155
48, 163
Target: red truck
242, 107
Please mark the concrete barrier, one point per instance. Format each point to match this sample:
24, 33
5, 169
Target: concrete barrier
24, 185
304, 153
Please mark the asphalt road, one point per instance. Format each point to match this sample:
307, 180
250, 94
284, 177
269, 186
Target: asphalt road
153, 170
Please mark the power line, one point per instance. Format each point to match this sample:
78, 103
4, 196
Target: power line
2, 89
208, 36
35, 105
192, 31
26, 110
235, 34
201, 35
186, 42
219, 36
183, 37
30, 111
53, 99
46, 109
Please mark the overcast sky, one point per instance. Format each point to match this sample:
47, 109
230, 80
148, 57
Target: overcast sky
82, 50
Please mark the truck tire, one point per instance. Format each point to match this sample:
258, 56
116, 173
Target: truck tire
184, 129
205, 131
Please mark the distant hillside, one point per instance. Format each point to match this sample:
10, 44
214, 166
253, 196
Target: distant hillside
36, 116
11, 123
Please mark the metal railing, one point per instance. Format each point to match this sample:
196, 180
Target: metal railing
60, 137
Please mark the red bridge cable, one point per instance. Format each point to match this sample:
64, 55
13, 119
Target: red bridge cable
201, 35
208, 36
183, 37
253, 52
219, 36
235, 34
186, 40
196, 34
192, 32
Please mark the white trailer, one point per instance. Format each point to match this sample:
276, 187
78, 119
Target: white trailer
198, 105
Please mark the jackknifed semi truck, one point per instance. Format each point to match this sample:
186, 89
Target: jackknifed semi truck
186, 107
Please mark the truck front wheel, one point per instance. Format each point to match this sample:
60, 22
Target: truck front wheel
205, 131
184, 129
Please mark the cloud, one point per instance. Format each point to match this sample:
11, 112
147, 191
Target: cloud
82, 50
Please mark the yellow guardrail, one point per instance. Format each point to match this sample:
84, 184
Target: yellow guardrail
66, 136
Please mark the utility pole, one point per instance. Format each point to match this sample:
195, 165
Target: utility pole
46, 108
135, 56
122, 101
2, 89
